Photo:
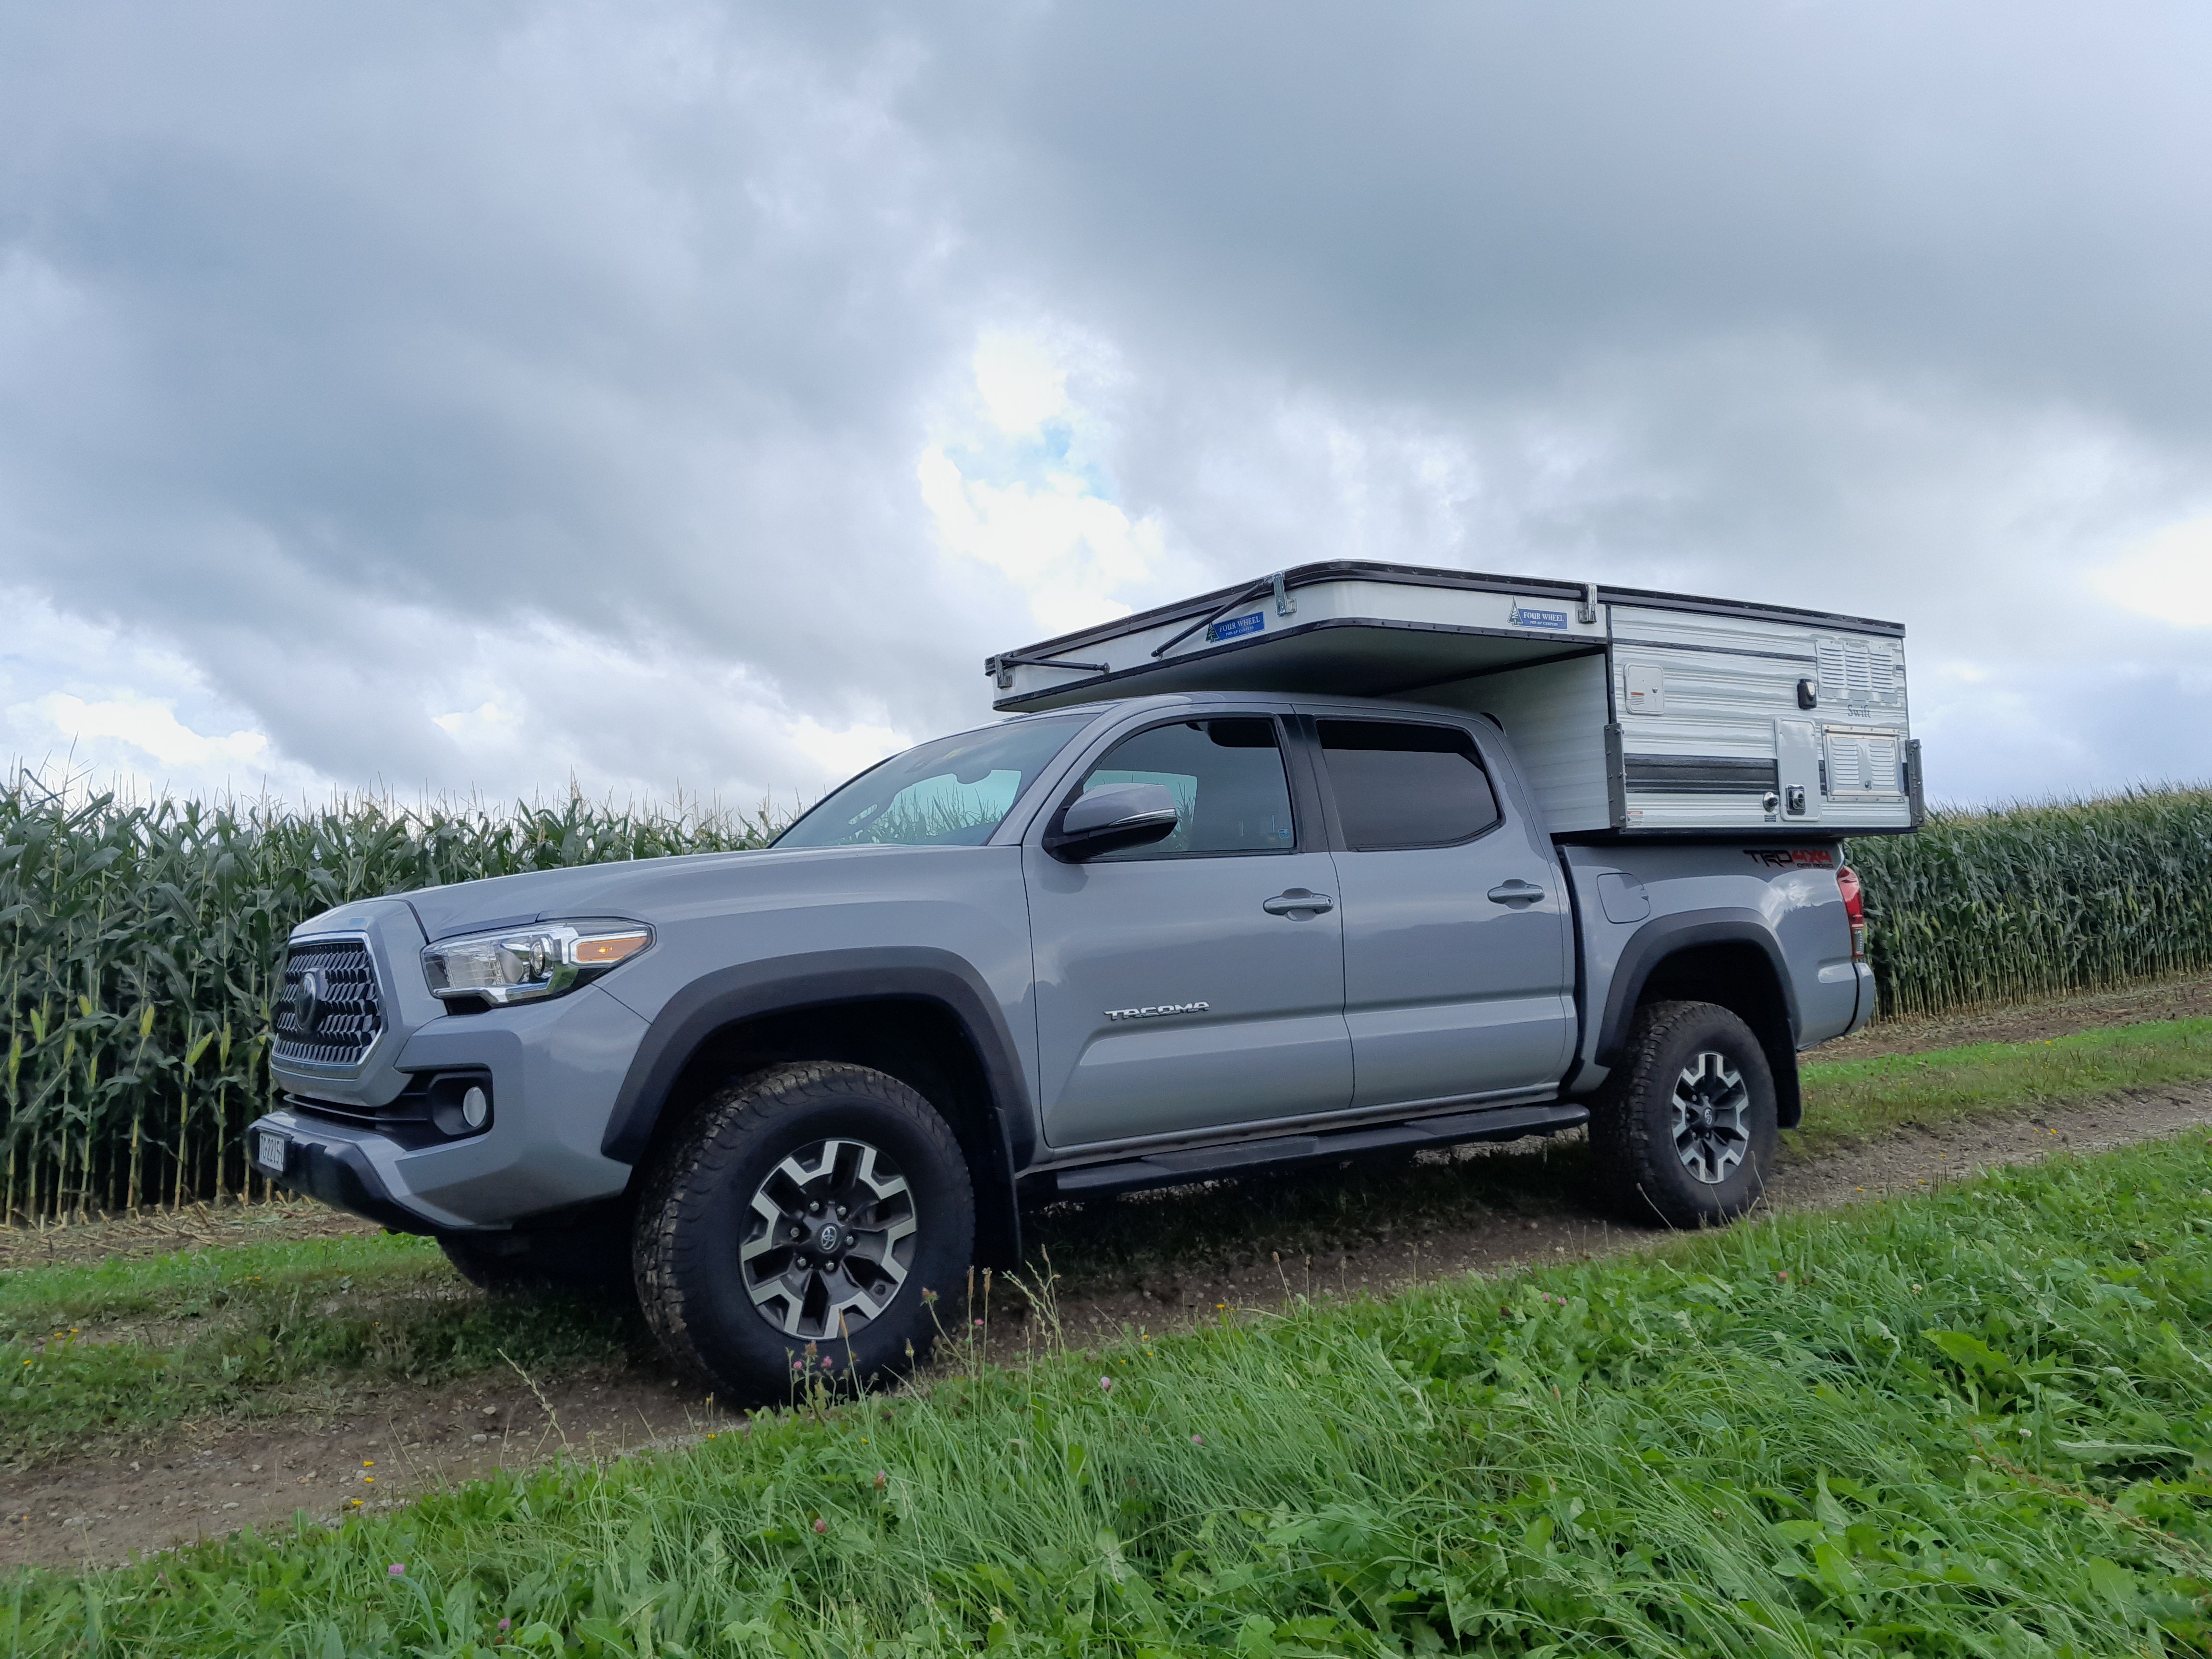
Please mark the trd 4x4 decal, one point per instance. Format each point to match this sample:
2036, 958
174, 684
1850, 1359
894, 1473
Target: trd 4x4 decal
1792, 858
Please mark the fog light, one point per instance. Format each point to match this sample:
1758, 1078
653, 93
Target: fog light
475, 1108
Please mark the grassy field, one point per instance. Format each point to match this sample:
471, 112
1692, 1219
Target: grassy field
1978, 1423
1859, 1100
100, 1355
91, 1356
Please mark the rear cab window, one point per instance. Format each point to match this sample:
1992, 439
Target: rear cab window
1401, 784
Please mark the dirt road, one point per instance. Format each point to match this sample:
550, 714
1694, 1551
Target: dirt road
1164, 1261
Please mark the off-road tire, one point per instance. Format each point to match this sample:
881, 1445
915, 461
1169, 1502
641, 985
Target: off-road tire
696, 1209
1639, 1170
591, 1261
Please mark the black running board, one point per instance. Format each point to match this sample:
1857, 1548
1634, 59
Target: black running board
1205, 1162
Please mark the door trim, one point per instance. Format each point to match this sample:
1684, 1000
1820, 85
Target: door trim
1094, 1151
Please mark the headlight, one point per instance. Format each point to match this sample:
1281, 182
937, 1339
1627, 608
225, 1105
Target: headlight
525, 965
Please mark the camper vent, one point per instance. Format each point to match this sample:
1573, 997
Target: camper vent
1852, 671
1862, 764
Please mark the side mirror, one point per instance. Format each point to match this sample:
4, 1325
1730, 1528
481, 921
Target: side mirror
1109, 819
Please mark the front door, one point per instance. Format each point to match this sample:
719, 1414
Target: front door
1198, 981
1458, 963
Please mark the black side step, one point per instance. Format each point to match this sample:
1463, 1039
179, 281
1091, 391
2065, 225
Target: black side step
1204, 1162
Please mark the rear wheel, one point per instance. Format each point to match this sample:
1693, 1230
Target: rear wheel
801, 1225
1683, 1133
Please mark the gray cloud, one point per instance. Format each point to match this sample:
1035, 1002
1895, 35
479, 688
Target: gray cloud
576, 359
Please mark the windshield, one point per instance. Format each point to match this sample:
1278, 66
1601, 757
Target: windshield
952, 793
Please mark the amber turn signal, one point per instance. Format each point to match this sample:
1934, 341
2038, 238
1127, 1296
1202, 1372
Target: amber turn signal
604, 948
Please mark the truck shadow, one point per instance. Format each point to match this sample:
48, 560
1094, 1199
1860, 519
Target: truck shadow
1320, 1212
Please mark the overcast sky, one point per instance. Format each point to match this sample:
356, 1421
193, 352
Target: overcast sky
470, 396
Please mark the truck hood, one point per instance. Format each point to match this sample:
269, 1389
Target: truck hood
656, 889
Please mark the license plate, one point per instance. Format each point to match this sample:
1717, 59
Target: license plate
268, 1152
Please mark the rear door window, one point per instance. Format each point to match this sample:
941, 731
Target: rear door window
1400, 784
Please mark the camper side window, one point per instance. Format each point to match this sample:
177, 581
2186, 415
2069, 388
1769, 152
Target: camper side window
1399, 784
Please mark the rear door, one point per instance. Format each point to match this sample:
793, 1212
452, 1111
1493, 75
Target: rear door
1458, 961
1199, 981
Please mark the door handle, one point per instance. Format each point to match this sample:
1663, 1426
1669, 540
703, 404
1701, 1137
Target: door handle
1516, 892
1298, 900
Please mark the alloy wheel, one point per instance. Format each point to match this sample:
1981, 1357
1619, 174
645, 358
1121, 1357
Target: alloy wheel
832, 1233
1709, 1104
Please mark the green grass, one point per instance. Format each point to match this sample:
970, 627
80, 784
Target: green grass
120, 1349
1977, 1423
94, 1356
1854, 1101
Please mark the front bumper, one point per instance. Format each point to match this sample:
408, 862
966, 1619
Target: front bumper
353, 1134
336, 1170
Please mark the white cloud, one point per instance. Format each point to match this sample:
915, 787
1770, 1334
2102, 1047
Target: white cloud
1016, 480
1069, 550
690, 394
839, 755
152, 728
1022, 384
2169, 577
486, 720
117, 707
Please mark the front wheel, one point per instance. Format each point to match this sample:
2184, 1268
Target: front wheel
802, 1224
1683, 1133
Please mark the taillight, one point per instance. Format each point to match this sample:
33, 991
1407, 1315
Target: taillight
1855, 909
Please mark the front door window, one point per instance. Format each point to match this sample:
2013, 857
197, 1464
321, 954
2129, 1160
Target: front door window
1226, 776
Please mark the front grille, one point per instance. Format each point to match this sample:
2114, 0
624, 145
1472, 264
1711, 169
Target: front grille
327, 1013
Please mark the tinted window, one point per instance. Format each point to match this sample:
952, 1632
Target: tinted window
951, 793
1226, 776
1399, 784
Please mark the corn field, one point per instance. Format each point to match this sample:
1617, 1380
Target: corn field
139, 949
140, 943
1982, 909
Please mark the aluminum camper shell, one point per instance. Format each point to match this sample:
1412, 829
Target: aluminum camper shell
1632, 712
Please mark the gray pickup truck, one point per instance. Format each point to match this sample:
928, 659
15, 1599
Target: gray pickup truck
790, 1095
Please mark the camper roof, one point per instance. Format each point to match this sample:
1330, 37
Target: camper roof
1354, 627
